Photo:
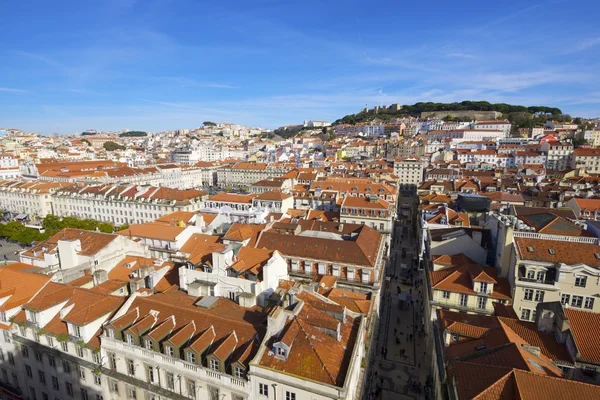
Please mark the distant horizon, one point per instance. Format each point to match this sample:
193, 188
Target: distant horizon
157, 66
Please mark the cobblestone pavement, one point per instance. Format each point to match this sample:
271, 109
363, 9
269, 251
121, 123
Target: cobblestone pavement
403, 355
7, 251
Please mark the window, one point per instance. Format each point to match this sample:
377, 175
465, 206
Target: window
45, 396
580, 280
589, 303
113, 386
99, 397
280, 351
214, 364
81, 372
191, 388
66, 367
445, 295
84, 394
483, 287
541, 276
149, 344
539, 295
238, 372
481, 302
149, 374
290, 395
525, 314
96, 357
213, 393
576, 301
169, 351
530, 273
69, 387
528, 294
97, 379
170, 381
112, 360
463, 300
130, 367
28, 371
42, 377
129, 338
54, 383
32, 393
1, 355
65, 346
564, 299
11, 358
263, 389
111, 333
131, 393
52, 361
191, 357
25, 351
76, 330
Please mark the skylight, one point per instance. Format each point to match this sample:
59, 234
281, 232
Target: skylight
551, 251
530, 249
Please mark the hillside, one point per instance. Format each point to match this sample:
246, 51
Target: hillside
519, 116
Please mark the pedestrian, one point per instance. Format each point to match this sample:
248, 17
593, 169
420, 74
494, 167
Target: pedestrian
395, 330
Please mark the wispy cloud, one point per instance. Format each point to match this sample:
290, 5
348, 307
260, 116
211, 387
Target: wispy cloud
38, 57
189, 82
13, 90
462, 55
584, 45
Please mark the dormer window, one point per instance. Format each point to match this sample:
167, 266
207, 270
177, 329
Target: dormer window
190, 357
169, 351
76, 330
238, 372
214, 364
149, 344
129, 338
281, 351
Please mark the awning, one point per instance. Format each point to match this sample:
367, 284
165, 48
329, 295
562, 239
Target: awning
22, 216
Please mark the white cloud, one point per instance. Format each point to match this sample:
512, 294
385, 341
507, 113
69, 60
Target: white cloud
13, 90
585, 44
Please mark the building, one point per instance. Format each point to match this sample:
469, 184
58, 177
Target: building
503, 125
409, 171
558, 155
352, 253
554, 268
235, 207
71, 251
245, 173
33, 198
120, 204
587, 160
459, 284
247, 277
370, 211
585, 208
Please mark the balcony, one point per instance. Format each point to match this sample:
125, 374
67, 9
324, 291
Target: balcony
439, 301
200, 372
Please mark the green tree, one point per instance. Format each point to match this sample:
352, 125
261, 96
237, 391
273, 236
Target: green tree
209, 123
86, 142
133, 134
106, 227
112, 146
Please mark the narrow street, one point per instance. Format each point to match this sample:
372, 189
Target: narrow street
403, 353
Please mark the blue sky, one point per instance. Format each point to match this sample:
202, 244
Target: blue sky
67, 66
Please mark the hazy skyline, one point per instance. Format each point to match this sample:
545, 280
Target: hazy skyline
154, 65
